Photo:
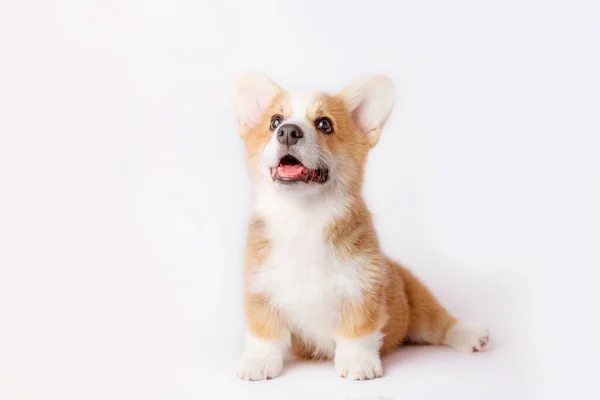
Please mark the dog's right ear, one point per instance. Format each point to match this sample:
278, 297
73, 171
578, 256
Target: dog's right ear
254, 92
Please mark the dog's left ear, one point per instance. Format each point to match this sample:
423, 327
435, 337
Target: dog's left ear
370, 101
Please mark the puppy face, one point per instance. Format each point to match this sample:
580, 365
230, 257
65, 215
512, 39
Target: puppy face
306, 143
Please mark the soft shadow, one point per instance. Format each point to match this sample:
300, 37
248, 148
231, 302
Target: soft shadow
409, 353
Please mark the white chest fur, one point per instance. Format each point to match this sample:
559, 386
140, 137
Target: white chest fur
302, 275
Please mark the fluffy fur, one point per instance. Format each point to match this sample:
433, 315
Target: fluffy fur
315, 279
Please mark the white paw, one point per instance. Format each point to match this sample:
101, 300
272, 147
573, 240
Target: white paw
467, 336
359, 367
259, 368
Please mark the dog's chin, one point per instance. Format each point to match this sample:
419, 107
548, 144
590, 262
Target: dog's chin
298, 188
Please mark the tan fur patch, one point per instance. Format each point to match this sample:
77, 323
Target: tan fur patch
429, 321
307, 350
257, 137
261, 318
364, 317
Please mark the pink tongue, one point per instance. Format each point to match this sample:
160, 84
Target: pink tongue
291, 171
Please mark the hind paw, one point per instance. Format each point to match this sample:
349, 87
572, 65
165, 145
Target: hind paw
468, 337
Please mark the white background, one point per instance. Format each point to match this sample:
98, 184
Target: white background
124, 199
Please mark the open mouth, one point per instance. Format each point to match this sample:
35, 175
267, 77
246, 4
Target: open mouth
290, 169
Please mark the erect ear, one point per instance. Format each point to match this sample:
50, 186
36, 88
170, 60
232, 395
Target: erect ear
254, 92
370, 101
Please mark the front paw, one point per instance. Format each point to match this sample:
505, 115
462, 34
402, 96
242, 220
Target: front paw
359, 367
259, 368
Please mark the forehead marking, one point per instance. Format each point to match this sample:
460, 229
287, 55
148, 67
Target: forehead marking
300, 103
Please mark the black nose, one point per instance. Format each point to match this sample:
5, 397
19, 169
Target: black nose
289, 134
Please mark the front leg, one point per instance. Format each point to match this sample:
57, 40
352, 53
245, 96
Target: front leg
359, 339
266, 339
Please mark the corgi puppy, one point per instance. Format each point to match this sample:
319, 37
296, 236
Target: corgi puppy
315, 279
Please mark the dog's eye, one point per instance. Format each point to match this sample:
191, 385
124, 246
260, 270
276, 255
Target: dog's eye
324, 125
275, 121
